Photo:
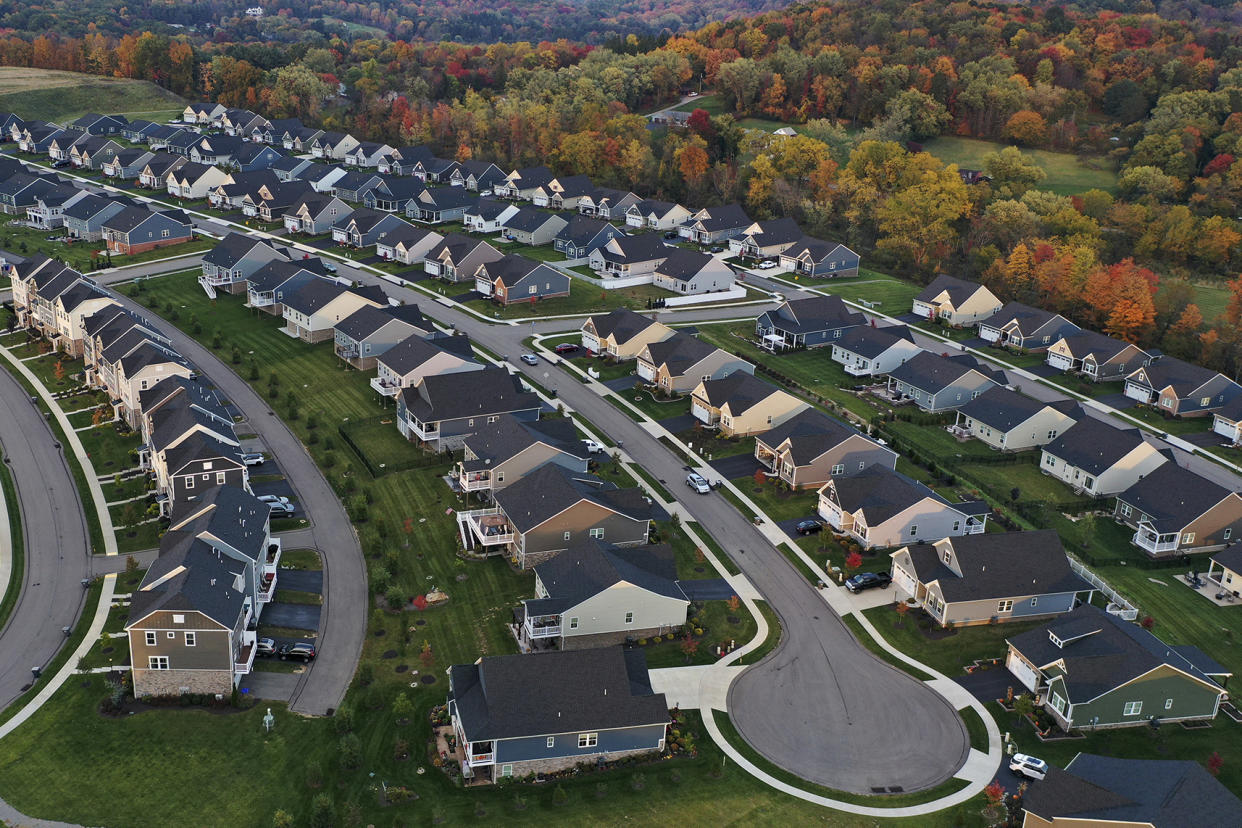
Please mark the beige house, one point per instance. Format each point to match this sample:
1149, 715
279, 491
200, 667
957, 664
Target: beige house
144, 367
678, 364
1098, 459
502, 452
622, 334
1008, 421
416, 357
314, 310
810, 447
957, 301
741, 405
1225, 571
71, 308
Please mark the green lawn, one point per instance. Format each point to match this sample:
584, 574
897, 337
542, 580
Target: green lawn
777, 501
108, 449
82, 256
720, 626
55, 96
712, 104
1032, 484
583, 298
653, 406
947, 651
1067, 174
1154, 420
892, 296
46, 369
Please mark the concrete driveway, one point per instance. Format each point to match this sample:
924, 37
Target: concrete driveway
708, 589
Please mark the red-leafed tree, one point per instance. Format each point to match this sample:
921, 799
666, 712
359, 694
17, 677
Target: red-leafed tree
853, 561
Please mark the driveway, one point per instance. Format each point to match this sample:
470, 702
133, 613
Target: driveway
271, 686
621, 383
1118, 401
739, 465
1045, 370
708, 589
679, 423
790, 527
303, 580
293, 616
991, 684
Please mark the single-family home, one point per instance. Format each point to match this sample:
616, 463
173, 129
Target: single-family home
235, 259
333, 146
741, 404
511, 719
193, 181
182, 143
440, 204
251, 156
365, 228
367, 333
607, 203
501, 453
128, 164
513, 279
268, 286
92, 152
403, 160
690, 272
941, 383
1099, 459
1009, 421
39, 139
1176, 512
408, 244
84, 218
442, 410
1021, 326
622, 334
958, 302
766, 239
476, 176
366, 155
300, 140
203, 113
1097, 357
48, 211
879, 507
866, 351
436, 170
352, 185
415, 357
1180, 389
290, 167
1094, 670
582, 235
521, 184
137, 229
21, 191
650, 214
626, 256
715, 225
456, 258
810, 448
394, 195
323, 177
312, 311
806, 323
273, 201
533, 226
1227, 421
487, 215
215, 149
562, 193
315, 213
239, 122
192, 439
273, 132
679, 363
594, 595
819, 259
155, 175
92, 123
988, 578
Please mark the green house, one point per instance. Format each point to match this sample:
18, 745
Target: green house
1091, 669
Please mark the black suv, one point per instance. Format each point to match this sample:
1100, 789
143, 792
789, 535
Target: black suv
868, 580
301, 650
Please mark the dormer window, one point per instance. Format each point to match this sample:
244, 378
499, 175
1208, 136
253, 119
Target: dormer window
948, 556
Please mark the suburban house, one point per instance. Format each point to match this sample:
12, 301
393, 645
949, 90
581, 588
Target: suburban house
1095, 356
958, 302
713, 225
29, 278
92, 153
650, 214
370, 331
866, 351
435, 169
1228, 577
476, 176
191, 620
582, 235
235, 259
402, 160
394, 195
365, 228
607, 203
819, 259
352, 185
253, 157
21, 191
513, 279
48, 211
193, 181
594, 595
626, 256
1107, 792
415, 357
810, 448
766, 239
521, 184
92, 123
488, 215
534, 227
806, 323
317, 307
315, 213
442, 410
741, 404
562, 193
367, 155
1227, 421
128, 163
333, 146
679, 363
215, 149
39, 139
1020, 326
70, 309
178, 423
1176, 512
290, 167
268, 286
1099, 459
408, 244
941, 383
622, 334
203, 113
691, 272
272, 201
275, 130
1008, 421
323, 178
550, 510
457, 258
85, 217
1180, 389
144, 366
233, 192
239, 122
501, 453
510, 720
880, 507
988, 578
155, 174
182, 143
1094, 670
137, 229
180, 392
440, 204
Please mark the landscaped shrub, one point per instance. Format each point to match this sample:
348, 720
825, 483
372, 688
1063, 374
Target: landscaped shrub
350, 751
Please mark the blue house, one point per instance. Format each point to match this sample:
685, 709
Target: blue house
583, 235
816, 258
442, 410
251, 156
518, 715
806, 323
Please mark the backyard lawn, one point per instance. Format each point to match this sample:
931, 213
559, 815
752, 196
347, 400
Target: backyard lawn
1067, 174
82, 256
583, 298
889, 295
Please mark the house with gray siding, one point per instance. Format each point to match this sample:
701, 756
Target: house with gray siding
515, 279
812, 322
457, 258
1180, 389
988, 578
1097, 357
440, 204
235, 259
128, 163
442, 410
582, 235
713, 225
366, 228
268, 286
941, 383
1021, 326
819, 259
519, 715
533, 226
369, 332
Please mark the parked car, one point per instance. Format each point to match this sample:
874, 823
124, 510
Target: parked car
868, 580
767, 265
530, 359
328, 265
672, 234
717, 249
1028, 766
254, 458
265, 647
593, 447
60, 163
301, 650
282, 509
698, 483
566, 348
809, 527
273, 499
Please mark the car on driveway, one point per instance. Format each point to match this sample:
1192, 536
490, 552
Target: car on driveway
767, 265
698, 483
566, 348
301, 650
265, 647
808, 527
530, 359
270, 498
593, 447
253, 458
868, 580
279, 504
1028, 766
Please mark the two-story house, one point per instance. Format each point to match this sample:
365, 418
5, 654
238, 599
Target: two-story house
501, 453
369, 332
268, 286
442, 410
415, 357
810, 448
677, 365
312, 311
84, 218
136, 230
235, 259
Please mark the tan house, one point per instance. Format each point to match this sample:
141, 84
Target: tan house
622, 334
313, 311
71, 308
1225, 571
1008, 421
1175, 512
678, 364
741, 405
958, 302
1097, 357
1098, 459
145, 367
416, 357
810, 447
501, 453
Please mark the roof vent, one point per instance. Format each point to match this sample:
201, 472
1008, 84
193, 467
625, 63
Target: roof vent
213, 581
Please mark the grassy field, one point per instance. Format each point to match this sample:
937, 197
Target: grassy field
1066, 173
892, 296
712, 104
53, 95
583, 298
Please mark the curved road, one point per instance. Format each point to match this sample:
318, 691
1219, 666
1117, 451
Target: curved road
343, 619
55, 535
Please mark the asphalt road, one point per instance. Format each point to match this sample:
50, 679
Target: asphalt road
342, 622
57, 545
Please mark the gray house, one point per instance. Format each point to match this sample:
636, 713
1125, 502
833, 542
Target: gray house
84, 220
368, 332
1097, 357
267, 287
440, 204
235, 259
582, 235
352, 185
819, 259
526, 714
713, 225
442, 410
1020, 326
941, 383
812, 322
315, 213
365, 228
533, 226
457, 258
128, 163
985, 579
514, 279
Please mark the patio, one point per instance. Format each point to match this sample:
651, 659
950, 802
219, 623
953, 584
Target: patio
1210, 587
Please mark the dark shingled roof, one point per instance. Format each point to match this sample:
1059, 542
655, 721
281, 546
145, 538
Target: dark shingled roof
200, 446
623, 324
367, 320
1091, 343
776, 231
959, 290
644, 247
231, 249
814, 313
494, 443
192, 390
870, 342
1185, 377
206, 583
457, 245
528, 219
1029, 319
933, 373
467, 394
1173, 496
551, 489
1003, 409
816, 249
996, 566
742, 391
724, 217
172, 421
679, 352
317, 293
810, 434
488, 208
413, 351
588, 568
683, 264
582, 229
1230, 558
1093, 445
881, 493
1166, 793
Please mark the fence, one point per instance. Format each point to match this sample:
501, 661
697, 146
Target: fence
1120, 605
378, 444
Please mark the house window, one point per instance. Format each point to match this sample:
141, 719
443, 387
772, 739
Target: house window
1168, 704
189, 481
948, 556
171, 634
1052, 434
157, 662
500, 477
588, 740
470, 423
629, 618
191, 639
839, 468
493, 418
1059, 703
957, 526
1050, 461
506, 770
1005, 606
862, 464
1166, 402
1126, 510
1228, 533
597, 532
164, 234
914, 530
1132, 708
1205, 402
220, 478
1189, 537
573, 623
551, 741
150, 639
566, 536
1034, 601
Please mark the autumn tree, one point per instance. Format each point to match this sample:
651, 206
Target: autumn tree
1027, 128
918, 222
853, 561
689, 646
